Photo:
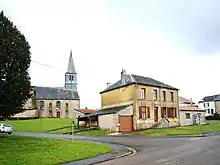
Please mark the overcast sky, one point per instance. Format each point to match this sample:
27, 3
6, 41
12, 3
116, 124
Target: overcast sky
174, 41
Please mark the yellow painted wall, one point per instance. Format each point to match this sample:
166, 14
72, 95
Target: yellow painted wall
149, 93
118, 96
132, 94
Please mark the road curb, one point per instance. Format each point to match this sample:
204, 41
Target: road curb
96, 161
131, 152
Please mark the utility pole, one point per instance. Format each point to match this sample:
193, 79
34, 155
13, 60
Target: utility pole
72, 129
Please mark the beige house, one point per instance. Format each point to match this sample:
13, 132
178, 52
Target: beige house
54, 102
136, 102
190, 113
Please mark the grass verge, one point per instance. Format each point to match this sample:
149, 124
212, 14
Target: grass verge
183, 130
39, 125
82, 133
93, 133
35, 151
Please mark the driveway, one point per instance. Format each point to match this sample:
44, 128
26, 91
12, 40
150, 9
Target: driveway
160, 151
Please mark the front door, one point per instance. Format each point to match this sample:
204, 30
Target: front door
155, 114
58, 114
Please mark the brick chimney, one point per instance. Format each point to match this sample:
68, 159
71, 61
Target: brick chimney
108, 84
123, 76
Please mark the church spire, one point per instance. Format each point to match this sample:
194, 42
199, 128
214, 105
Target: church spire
71, 75
71, 67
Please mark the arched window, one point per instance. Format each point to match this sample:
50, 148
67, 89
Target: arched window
67, 107
70, 77
50, 106
58, 104
67, 110
41, 105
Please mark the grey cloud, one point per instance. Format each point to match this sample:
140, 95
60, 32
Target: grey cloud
195, 24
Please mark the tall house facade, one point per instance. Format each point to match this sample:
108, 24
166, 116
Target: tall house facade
153, 101
71, 75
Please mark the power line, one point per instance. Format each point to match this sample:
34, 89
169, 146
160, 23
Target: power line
46, 65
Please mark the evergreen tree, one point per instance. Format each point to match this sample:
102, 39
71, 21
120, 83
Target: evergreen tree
15, 60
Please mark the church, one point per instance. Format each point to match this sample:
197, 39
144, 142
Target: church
54, 102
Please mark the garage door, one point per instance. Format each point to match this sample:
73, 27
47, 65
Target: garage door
126, 123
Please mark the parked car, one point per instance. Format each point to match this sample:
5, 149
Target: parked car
6, 128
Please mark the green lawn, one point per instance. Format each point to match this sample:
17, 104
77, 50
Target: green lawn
183, 130
93, 133
39, 125
83, 133
43, 151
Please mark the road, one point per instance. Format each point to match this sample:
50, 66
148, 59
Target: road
162, 151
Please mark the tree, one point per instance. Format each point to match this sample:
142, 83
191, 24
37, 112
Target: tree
15, 60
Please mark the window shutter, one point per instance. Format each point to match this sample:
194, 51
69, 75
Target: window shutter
140, 113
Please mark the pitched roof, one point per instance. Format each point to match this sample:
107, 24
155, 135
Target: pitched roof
50, 93
107, 111
190, 108
71, 67
86, 111
135, 79
184, 100
210, 98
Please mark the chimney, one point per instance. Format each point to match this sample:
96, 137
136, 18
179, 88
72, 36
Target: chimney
108, 84
123, 76
191, 101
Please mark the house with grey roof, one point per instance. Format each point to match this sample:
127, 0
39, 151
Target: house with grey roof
211, 104
52, 101
136, 102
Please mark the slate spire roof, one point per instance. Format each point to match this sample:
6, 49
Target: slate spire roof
51, 93
71, 67
135, 79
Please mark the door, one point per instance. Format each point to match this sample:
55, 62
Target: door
126, 123
155, 114
58, 114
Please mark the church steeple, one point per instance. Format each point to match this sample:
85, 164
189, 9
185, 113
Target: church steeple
71, 67
71, 75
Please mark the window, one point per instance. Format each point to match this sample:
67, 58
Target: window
67, 107
67, 110
187, 115
58, 104
163, 112
171, 112
208, 111
41, 105
175, 112
171, 96
154, 94
143, 93
164, 95
212, 111
50, 106
148, 112
142, 112
206, 104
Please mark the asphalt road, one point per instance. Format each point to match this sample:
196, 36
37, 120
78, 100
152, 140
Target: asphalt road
161, 151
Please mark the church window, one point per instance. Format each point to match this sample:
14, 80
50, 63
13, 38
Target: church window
41, 105
67, 107
50, 106
67, 110
58, 104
